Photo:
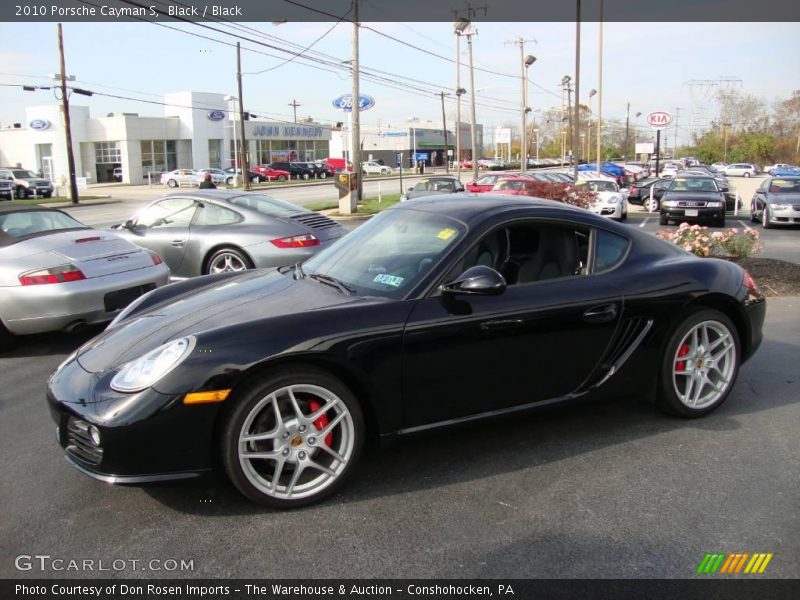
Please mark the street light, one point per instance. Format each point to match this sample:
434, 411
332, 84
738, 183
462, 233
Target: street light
592, 93
413, 121
523, 150
536, 131
234, 99
464, 27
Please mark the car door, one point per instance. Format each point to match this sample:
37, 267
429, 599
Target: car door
163, 227
538, 340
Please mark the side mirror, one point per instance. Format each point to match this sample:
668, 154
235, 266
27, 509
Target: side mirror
477, 281
410, 189
129, 224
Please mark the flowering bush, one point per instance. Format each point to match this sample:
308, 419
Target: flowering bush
729, 242
560, 192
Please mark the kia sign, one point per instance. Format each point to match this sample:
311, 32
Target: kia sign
216, 115
39, 124
659, 120
345, 102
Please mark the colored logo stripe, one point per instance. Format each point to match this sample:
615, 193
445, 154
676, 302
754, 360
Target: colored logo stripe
734, 563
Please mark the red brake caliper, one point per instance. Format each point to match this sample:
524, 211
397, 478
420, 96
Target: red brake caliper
681, 364
322, 422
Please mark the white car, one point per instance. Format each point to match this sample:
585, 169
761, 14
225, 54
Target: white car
740, 170
180, 177
611, 202
372, 168
669, 170
218, 176
587, 175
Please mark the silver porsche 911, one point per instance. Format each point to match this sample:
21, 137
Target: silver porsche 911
58, 274
200, 232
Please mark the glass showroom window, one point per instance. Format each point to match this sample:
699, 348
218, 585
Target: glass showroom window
107, 152
158, 156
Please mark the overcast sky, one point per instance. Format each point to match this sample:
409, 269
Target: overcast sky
648, 64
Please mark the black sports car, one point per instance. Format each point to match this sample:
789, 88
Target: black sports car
438, 311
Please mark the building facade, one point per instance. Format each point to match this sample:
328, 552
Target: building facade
196, 131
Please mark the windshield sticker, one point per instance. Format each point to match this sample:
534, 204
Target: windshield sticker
446, 233
392, 280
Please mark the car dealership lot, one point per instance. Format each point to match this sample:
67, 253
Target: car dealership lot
607, 490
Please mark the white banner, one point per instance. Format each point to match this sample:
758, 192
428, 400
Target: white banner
645, 148
502, 135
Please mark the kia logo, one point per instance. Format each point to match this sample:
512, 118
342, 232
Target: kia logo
345, 102
39, 124
216, 115
659, 119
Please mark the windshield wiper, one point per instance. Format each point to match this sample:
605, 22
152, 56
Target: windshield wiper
327, 279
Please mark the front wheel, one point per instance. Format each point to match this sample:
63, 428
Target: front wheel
323, 175
753, 218
700, 364
663, 220
765, 218
305, 176
747, 174
172, 183
22, 193
651, 205
293, 438
229, 181
281, 178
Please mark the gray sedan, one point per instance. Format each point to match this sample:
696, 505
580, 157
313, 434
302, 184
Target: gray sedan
56, 273
433, 185
213, 231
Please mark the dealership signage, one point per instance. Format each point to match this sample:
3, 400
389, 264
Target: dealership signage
216, 115
502, 135
659, 120
39, 124
287, 131
345, 102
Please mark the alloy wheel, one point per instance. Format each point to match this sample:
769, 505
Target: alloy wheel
296, 442
704, 365
227, 261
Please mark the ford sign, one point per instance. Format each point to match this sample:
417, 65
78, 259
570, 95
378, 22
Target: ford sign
39, 124
216, 115
345, 102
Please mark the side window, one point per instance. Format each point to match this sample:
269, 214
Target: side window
609, 250
211, 214
172, 212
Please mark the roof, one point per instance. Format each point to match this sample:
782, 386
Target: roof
11, 209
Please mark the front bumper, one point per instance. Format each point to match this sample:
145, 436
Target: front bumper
786, 216
703, 214
53, 307
144, 437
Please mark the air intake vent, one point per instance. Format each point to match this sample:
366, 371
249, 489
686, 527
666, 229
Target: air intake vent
79, 442
314, 220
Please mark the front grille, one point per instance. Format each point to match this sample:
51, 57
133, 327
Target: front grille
689, 204
314, 220
79, 444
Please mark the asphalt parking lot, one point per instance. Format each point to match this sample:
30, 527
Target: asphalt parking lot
605, 490
611, 490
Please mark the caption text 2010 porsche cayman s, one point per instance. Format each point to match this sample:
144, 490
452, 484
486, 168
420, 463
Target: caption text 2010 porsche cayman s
437, 311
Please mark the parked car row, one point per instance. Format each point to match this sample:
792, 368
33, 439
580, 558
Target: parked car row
24, 183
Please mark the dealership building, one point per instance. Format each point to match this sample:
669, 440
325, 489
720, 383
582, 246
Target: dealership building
196, 131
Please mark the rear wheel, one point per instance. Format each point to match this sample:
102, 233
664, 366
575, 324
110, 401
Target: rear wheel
293, 438
753, 218
651, 205
172, 183
305, 175
229, 181
226, 260
746, 174
7, 339
663, 220
281, 178
700, 364
323, 175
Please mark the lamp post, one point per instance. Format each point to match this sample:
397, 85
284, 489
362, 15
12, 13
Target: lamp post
536, 131
527, 61
235, 145
635, 129
413, 121
592, 93
464, 27
459, 91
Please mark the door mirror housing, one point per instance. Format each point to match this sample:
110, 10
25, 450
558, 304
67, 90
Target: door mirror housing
410, 189
477, 281
129, 224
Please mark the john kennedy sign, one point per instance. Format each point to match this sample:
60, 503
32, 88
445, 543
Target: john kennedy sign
290, 132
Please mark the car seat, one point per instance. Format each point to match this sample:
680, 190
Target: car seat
557, 257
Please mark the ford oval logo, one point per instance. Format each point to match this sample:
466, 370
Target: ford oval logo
216, 115
345, 102
39, 124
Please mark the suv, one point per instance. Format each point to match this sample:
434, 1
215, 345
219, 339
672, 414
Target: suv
26, 183
740, 169
296, 170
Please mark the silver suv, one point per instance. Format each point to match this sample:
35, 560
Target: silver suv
26, 183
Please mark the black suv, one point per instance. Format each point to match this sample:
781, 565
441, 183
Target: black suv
296, 170
26, 183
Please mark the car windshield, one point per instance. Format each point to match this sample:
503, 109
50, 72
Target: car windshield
390, 254
267, 205
693, 184
602, 186
510, 184
784, 186
29, 222
24, 174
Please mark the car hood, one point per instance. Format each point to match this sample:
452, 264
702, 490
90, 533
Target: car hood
242, 300
701, 196
36, 180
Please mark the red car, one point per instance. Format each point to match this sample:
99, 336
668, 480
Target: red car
271, 173
485, 183
514, 185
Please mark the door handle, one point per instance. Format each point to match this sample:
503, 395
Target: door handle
501, 324
178, 243
601, 314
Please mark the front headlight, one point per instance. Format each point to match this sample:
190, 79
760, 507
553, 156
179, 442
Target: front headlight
148, 369
714, 204
670, 203
780, 206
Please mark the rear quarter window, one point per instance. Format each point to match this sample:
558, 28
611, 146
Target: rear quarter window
610, 250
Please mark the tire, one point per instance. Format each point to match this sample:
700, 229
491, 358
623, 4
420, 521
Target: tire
765, 218
229, 181
21, 193
384, 172
663, 220
7, 339
323, 175
172, 183
753, 218
746, 174
305, 176
255, 180
656, 205
225, 260
267, 407
47, 194
683, 369
281, 177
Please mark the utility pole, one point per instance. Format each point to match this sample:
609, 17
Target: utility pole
444, 130
356, 110
577, 86
294, 104
524, 64
675, 145
73, 183
472, 109
599, 88
458, 105
243, 148
566, 83
627, 129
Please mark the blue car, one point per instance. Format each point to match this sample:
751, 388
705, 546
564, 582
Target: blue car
786, 172
606, 167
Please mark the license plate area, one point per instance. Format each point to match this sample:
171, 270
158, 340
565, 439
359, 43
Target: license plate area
118, 300
690, 212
